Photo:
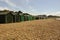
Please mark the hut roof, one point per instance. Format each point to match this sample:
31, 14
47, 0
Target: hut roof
41, 15
14, 13
20, 13
26, 14
3, 13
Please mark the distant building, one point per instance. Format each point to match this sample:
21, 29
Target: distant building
41, 17
58, 19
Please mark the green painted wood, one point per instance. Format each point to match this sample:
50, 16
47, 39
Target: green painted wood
21, 17
9, 18
33, 18
25, 18
29, 17
17, 18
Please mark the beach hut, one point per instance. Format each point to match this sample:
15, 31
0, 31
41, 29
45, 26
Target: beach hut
26, 16
41, 17
33, 17
30, 17
16, 17
5, 17
21, 16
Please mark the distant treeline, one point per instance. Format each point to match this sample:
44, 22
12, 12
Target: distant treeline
46, 17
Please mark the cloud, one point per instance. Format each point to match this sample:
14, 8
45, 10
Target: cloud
27, 1
56, 13
2, 8
32, 10
8, 2
17, 3
24, 6
50, 13
11, 5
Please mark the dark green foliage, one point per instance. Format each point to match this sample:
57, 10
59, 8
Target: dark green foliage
36, 18
51, 16
20, 12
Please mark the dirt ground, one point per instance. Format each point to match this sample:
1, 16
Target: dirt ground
48, 29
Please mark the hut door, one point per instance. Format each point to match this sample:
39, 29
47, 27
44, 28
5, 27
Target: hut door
2, 18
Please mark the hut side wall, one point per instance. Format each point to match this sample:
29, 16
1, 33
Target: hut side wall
25, 18
14, 18
33, 17
36, 18
21, 17
9, 18
2, 18
17, 18
29, 17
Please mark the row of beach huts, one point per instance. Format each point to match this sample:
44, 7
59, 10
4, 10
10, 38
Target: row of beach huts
12, 17
7, 16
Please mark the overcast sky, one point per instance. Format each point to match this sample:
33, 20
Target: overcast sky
34, 7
